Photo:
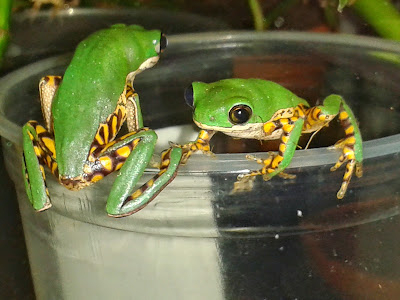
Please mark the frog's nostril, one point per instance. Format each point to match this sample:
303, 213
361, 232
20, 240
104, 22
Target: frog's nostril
189, 96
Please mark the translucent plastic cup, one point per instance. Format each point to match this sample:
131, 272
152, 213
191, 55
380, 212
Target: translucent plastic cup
286, 239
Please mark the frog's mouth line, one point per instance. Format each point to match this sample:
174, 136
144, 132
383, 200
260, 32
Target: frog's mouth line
147, 64
245, 131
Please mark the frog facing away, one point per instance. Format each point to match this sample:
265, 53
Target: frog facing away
83, 113
264, 110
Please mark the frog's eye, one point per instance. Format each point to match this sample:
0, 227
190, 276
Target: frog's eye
189, 96
163, 42
239, 114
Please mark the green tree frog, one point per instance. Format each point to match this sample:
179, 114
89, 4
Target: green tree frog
264, 110
83, 113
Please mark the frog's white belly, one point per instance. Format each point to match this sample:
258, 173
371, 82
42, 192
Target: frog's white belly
246, 131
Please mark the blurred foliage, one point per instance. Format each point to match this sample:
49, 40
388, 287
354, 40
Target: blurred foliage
381, 15
5, 10
312, 15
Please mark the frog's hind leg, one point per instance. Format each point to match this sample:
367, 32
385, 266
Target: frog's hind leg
275, 163
130, 154
121, 204
351, 145
39, 147
39, 150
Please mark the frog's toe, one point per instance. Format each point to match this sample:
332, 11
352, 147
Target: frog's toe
46, 206
338, 145
42, 204
210, 154
253, 158
338, 164
286, 175
351, 167
359, 169
266, 177
243, 184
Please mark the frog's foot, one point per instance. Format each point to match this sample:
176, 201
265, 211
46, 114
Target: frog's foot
155, 163
286, 175
352, 166
192, 147
244, 183
267, 169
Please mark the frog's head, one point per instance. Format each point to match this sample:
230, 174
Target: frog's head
228, 106
145, 46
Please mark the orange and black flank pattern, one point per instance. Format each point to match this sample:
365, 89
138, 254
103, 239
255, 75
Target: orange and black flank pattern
315, 119
110, 161
107, 132
43, 145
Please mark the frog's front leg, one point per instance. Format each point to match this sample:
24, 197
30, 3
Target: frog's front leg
202, 144
291, 130
351, 145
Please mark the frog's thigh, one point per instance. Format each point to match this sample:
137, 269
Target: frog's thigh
107, 131
48, 86
39, 150
133, 118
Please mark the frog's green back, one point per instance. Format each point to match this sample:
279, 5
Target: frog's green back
213, 101
91, 87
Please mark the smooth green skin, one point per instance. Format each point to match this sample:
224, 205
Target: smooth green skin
91, 87
213, 101
88, 94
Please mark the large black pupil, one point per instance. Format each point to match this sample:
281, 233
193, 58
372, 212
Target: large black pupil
241, 115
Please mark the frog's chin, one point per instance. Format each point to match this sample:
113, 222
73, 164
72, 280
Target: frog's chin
147, 64
243, 131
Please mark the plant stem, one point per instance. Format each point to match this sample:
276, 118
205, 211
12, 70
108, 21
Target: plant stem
381, 15
5, 12
331, 17
257, 13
